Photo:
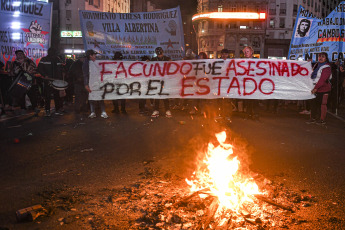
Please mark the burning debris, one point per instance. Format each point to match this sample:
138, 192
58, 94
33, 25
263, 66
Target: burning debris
220, 196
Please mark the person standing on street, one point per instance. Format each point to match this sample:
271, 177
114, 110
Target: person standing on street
250, 104
51, 67
75, 74
161, 57
118, 56
25, 64
90, 59
321, 77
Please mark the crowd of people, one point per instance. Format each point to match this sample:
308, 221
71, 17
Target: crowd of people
67, 81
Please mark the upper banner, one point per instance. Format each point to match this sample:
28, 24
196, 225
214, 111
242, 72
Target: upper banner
133, 34
313, 35
209, 78
25, 25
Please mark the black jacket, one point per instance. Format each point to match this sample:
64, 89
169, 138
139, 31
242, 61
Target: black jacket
52, 67
76, 73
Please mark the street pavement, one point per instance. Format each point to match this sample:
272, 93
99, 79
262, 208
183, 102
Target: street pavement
39, 154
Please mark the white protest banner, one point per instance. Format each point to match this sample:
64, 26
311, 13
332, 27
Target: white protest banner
314, 35
25, 25
133, 34
209, 78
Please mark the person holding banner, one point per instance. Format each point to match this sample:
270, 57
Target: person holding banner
321, 76
161, 57
90, 58
118, 56
250, 104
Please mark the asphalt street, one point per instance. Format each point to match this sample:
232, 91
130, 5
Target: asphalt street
39, 154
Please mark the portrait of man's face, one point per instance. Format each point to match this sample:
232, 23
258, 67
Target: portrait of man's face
303, 28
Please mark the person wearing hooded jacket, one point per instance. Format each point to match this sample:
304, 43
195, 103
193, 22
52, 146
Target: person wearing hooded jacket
321, 77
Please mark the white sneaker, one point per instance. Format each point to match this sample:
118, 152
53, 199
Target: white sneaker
92, 115
168, 114
104, 115
155, 113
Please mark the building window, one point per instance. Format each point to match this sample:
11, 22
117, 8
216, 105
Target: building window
68, 26
219, 25
282, 23
233, 8
294, 12
244, 41
90, 2
68, 1
257, 25
282, 9
210, 24
256, 42
272, 9
68, 14
281, 35
220, 8
272, 23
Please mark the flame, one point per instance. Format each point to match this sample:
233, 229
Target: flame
219, 172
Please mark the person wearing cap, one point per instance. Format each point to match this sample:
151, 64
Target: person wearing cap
118, 56
20, 64
51, 67
91, 57
161, 57
75, 73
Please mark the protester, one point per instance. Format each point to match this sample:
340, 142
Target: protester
118, 56
161, 57
250, 104
185, 103
197, 103
20, 65
341, 94
224, 54
75, 74
90, 59
70, 90
321, 77
51, 67
142, 102
3, 89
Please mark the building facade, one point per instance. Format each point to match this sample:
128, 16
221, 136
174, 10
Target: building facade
281, 21
231, 25
116, 6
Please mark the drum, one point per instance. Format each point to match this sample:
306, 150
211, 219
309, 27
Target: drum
21, 85
59, 84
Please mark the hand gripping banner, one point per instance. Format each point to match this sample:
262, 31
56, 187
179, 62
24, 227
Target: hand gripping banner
211, 78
